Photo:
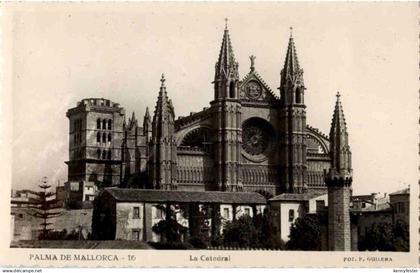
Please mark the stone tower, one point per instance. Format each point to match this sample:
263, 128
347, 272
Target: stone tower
95, 142
338, 181
292, 113
163, 150
227, 107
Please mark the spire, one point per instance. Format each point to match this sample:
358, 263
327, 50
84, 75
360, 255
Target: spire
226, 65
147, 115
132, 122
291, 69
339, 146
338, 124
147, 123
162, 102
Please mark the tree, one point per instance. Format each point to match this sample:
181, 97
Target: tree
169, 227
256, 232
201, 219
305, 233
44, 206
241, 233
266, 232
386, 237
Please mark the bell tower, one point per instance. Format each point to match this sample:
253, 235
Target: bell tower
227, 115
292, 116
339, 180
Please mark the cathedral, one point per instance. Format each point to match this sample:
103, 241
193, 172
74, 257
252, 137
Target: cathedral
248, 139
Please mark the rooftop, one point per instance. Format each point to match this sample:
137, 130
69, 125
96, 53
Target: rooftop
136, 195
401, 192
296, 196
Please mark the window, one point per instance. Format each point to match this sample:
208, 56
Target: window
291, 215
247, 211
98, 137
109, 124
98, 124
104, 138
136, 213
98, 153
298, 96
104, 154
363, 205
226, 213
109, 155
159, 213
400, 207
320, 205
232, 90
109, 137
104, 124
135, 236
74, 186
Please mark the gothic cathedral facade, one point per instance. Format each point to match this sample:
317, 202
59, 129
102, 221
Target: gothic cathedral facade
249, 139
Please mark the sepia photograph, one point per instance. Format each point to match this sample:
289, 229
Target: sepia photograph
214, 131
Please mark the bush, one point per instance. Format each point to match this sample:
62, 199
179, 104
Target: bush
386, 237
305, 233
170, 245
241, 233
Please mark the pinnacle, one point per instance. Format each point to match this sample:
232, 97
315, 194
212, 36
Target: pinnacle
291, 63
226, 60
338, 122
147, 114
163, 103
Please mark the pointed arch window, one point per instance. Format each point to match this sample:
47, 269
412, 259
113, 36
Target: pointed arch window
109, 124
104, 124
109, 138
98, 137
298, 95
232, 90
104, 137
109, 154
98, 124
103, 154
98, 153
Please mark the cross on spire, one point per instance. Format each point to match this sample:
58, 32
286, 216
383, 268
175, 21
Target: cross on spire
162, 79
291, 31
338, 95
226, 22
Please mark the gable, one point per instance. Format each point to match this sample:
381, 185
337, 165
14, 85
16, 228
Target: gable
253, 89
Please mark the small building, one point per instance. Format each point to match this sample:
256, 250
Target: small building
400, 204
79, 194
287, 207
368, 201
22, 198
130, 214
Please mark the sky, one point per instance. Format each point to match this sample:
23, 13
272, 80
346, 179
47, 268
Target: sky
61, 53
